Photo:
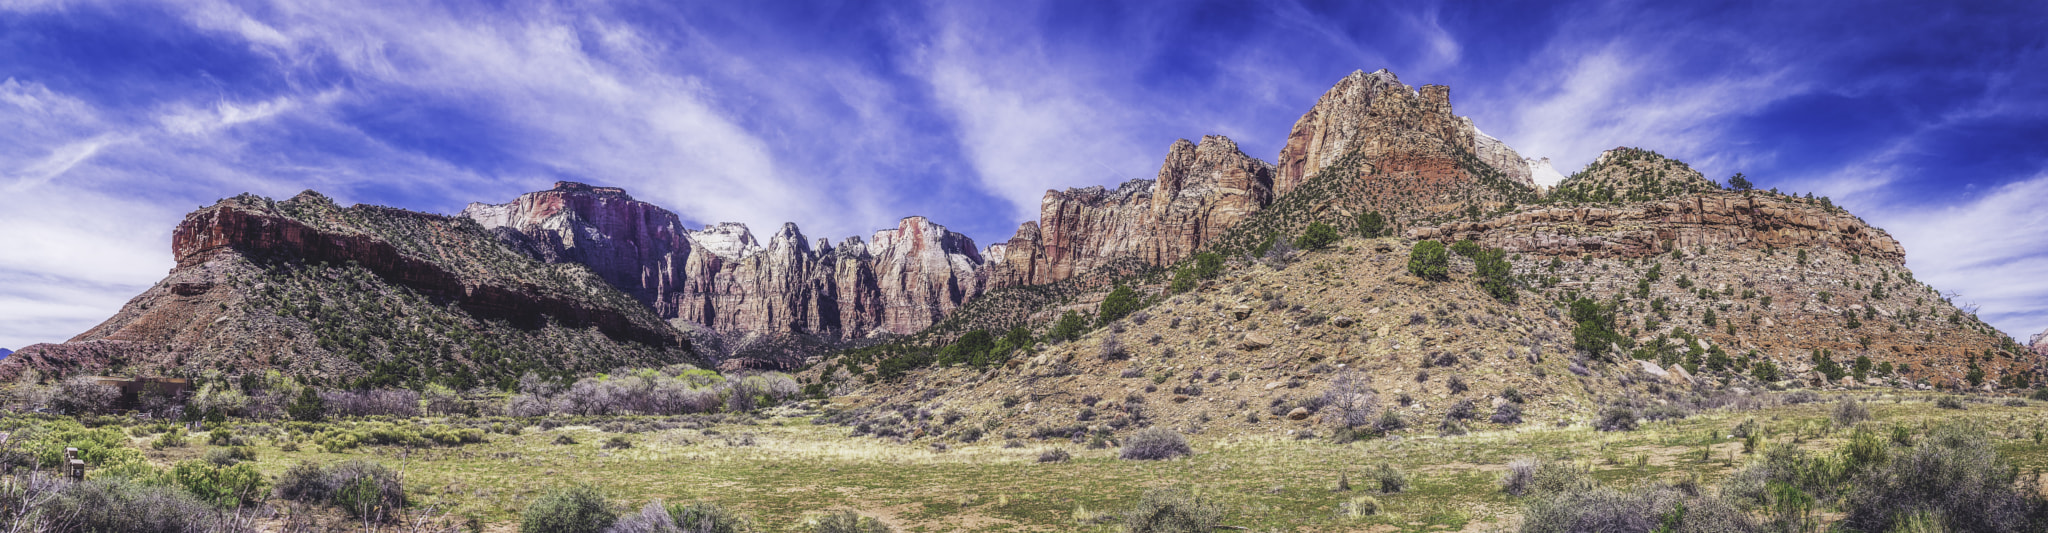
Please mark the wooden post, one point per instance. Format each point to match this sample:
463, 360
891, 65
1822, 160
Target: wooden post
73, 466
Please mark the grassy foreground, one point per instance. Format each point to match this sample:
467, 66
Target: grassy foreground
782, 470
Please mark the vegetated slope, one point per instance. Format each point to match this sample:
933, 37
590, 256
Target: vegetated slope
1740, 289
361, 296
1241, 354
1630, 175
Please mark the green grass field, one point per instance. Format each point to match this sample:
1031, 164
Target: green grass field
780, 470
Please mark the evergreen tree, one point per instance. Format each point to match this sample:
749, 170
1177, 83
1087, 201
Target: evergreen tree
1428, 261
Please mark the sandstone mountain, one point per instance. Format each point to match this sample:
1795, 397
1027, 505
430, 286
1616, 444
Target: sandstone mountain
1385, 147
2039, 343
1713, 292
1704, 283
721, 278
360, 296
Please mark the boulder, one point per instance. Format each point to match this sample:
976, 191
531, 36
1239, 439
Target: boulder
1254, 341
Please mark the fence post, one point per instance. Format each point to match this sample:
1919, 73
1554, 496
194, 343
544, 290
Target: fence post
75, 467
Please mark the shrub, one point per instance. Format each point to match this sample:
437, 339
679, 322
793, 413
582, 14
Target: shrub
231, 455
1950, 402
1372, 225
308, 406
1661, 508
119, 504
1070, 326
1957, 477
1849, 411
1169, 510
1594, 328
1359, 507
362, 489
1520, 477
1465, 248
1496, 276
579, 509
1508, 413
175, 438
220, 437
221, 486
1617, 418
1054, 455
693, 518
848, 522
1349, 401
1153, 444
107, 445
1318, 236
1391, 479
1112, 349
1120, 302
1428, 261
2040, 394
617, 443
83, 395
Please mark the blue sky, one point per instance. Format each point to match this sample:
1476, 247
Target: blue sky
1927, 119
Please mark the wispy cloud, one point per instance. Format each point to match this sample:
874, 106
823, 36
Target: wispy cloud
1031, 125
1579, 99
1988, 250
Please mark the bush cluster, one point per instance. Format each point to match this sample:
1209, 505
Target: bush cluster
654, 392
1153, 444
361, 489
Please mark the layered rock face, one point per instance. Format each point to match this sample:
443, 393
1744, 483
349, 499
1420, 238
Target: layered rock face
1202, 190
1384, 120
1635, 203
722, 278
373, 295
1713, 220
2039, 343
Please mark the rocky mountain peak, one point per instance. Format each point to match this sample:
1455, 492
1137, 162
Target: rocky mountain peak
1542, 173
730, 240
575, 187
1385, 119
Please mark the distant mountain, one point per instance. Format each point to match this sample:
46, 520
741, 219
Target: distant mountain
361, 296
5, 352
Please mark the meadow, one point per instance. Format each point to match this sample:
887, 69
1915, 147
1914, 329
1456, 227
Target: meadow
783, 472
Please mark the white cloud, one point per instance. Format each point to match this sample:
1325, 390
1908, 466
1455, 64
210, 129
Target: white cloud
1578, 100
1988, 249
1029, 125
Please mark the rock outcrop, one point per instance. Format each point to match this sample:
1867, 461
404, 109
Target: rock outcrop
366, 295
2039, 343
722, 278
1377, 116
1714, 220
1202, 190
1634, 203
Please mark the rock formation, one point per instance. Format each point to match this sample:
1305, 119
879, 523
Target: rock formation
723, 279
1634, 203
1377, 116
2039, 343
365, 295
1202, 190
1713, 220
